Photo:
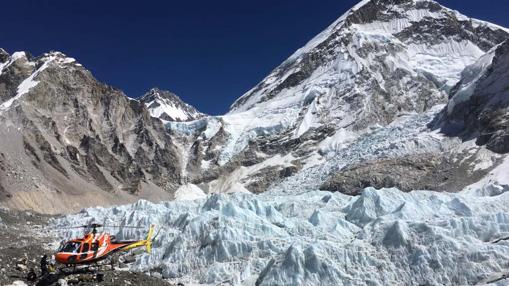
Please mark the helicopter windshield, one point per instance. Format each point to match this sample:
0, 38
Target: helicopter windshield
72, 247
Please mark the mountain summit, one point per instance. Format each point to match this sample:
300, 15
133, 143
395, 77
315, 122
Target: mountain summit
380, 61
168, 106
70, 138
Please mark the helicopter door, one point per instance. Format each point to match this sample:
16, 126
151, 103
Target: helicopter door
84, 250
95, 247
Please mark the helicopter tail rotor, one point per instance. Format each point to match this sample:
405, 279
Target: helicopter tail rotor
147, 243
148, 240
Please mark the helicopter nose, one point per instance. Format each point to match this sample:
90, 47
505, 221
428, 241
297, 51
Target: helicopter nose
61, 258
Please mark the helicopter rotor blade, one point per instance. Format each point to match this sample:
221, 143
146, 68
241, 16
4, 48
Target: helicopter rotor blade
97, 225
70, 227
100, 226
80, 226
124, 226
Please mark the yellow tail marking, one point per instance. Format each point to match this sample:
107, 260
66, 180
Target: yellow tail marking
146, 242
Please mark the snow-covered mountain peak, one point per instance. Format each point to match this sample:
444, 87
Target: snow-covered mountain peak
380, 61
419, 37
22, 59
25, 71
58, 57
54, 112
168, 106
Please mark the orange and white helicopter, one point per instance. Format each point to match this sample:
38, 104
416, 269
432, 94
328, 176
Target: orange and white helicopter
94, 246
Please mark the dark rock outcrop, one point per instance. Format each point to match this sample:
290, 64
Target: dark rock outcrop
479, 104
435, 172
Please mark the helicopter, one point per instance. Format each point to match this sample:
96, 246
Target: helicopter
94, 247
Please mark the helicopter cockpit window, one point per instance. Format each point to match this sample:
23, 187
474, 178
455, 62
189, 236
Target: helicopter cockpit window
72, 247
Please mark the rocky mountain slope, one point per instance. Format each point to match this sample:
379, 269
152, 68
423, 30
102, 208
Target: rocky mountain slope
479, 104
70, 141
167, 106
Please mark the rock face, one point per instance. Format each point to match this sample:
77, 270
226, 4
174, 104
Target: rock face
68, 133
168, 106
433, 172
479, 104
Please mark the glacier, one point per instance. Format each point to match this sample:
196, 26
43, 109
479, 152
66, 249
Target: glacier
295, 234
382, 237
354, 75
406, 135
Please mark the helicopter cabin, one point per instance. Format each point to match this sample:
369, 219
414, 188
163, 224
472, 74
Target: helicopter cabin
79, 246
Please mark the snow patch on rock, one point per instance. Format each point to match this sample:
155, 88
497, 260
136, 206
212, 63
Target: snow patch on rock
189, 192
31, 82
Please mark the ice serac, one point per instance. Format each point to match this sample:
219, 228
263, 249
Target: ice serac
168, 106
378, 63
67, 137
381, 237
479, 104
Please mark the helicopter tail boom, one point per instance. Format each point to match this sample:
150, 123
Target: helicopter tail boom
146, 242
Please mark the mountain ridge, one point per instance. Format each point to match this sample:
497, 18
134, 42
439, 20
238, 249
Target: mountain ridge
346, 20
69, 137
374, 71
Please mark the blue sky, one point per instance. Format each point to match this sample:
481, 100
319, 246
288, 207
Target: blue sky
208, 52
